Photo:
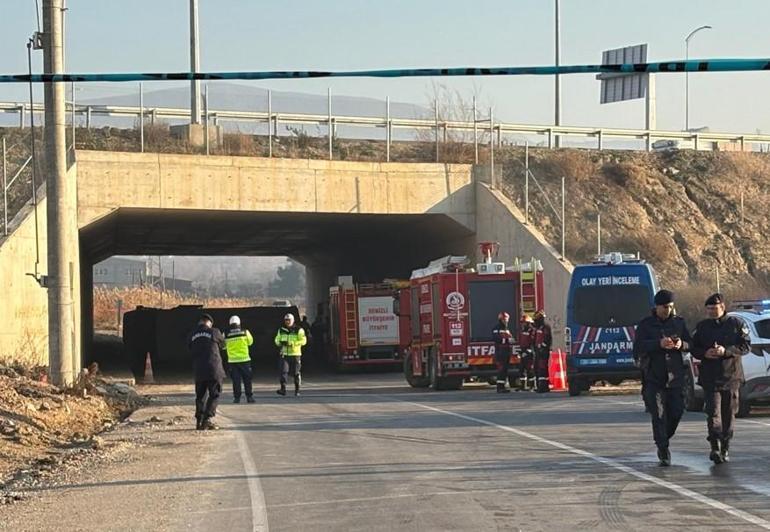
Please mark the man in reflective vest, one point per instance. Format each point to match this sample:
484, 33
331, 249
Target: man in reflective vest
527, 333
289, 340
503, 339
237, 342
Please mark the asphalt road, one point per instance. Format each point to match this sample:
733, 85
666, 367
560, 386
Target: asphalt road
368, 453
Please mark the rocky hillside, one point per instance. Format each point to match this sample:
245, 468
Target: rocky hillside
680, 210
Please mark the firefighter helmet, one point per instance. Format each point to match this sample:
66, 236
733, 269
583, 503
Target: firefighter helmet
526, 318
540, 314
235, 321
289, 317
503, 316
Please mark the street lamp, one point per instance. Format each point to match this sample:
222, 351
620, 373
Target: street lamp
687, 76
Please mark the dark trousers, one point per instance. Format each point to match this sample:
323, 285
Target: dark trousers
666, 406
541, 370
502, 363
721, 407
240, 372
291, 365
206, 398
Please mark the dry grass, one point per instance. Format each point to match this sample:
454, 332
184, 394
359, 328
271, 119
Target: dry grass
106, 303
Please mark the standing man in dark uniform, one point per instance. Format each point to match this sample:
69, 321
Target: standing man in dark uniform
719, 342
206, 344
526, 333
658, 345
542, 342
503, 347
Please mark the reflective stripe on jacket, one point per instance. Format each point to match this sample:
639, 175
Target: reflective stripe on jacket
290, 341
237, 342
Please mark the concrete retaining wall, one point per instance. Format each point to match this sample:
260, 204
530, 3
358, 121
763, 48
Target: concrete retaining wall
498, 219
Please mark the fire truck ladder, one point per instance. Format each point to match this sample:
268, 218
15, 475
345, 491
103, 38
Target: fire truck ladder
528, 287
351, 320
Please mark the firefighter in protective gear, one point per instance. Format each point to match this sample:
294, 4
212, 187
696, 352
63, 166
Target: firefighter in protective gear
541, 343
503, 347
237, 342
290, 339
527, 332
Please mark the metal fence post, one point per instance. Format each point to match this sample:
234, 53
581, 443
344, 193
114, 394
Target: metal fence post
526, 183
5, 190
600, 136
435, 109
387, 129
599, 234
550, 138
475, 134
141, 117
492, 148
88, 117
563, 219
72, 88
331, 125
269, 123
206, 114
22, 116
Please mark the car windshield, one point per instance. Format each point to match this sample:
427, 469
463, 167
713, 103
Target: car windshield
611, 306
763, 328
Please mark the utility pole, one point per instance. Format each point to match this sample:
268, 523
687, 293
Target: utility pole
63, 359
195, 59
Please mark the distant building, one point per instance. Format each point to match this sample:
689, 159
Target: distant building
119, 272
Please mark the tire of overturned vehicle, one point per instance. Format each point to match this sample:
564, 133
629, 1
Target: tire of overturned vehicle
413, 380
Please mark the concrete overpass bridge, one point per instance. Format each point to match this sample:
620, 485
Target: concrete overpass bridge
370, 220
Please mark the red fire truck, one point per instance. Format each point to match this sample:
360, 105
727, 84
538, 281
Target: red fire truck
453, 310
364, 331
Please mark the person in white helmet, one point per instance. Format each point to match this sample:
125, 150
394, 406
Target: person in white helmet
237, 342
290, 339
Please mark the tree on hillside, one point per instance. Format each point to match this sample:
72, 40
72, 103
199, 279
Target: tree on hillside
289, 281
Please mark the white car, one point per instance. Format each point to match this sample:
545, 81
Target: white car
756, 364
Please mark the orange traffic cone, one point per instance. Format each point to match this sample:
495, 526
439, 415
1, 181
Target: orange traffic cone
148, 376
557, 371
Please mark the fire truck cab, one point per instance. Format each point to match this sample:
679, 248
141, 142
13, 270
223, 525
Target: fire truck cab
453, 309
364, 331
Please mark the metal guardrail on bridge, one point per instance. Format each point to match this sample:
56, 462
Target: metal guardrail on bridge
695, 140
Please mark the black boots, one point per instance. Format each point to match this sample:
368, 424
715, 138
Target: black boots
715, 455
250, 399
664, 456
282, 390
501, 388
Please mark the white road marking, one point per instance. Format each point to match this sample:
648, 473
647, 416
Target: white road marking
258, 508
676, 488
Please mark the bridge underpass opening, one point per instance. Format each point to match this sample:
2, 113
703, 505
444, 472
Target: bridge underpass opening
370, 247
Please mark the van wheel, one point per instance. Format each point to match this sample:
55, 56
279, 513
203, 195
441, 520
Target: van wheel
574, 387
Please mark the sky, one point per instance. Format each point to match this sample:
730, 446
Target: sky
152, 35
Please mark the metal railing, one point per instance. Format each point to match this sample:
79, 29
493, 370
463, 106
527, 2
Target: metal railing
8, 184
550, 134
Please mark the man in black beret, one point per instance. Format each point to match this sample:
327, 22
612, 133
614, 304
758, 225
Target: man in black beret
658, 345
719, 342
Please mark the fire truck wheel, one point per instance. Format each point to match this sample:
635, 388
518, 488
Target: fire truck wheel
441, 383
414, 382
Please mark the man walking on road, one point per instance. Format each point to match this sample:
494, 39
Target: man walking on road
719, 342
658, 345
290, 339
503, 345
237, 342
205, 344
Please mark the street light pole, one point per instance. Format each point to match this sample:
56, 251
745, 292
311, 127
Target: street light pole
557, 84
687, 76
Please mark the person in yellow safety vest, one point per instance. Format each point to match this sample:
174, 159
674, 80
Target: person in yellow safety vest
237, 342
289, 340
